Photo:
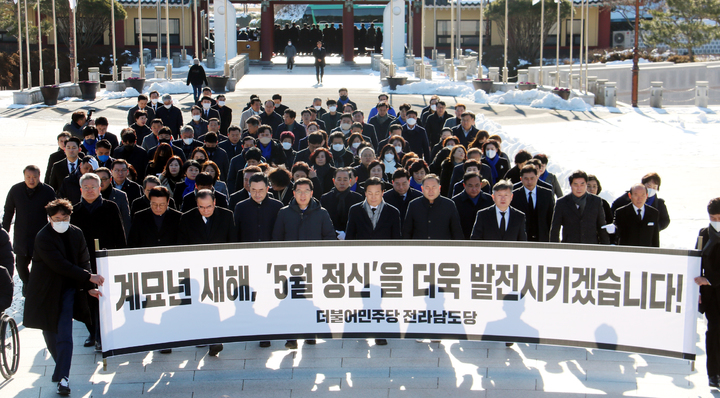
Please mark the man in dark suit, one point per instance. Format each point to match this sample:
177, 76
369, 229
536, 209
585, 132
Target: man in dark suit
120, 169
64, 167
401, 195
171, 115
652, 183
207, 224
207, 111
57, 155
470, 201
158, 225
132, 153
536, 202
373, 218
225, 114
580, 214
466, 131
340, 199
26, 201
101, 124
289, 124
255, 217
233, 146
203, 181
416, 136
381, 122
142, 101
500, 222
432, 216
637, 224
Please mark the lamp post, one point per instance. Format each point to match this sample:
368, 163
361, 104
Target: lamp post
557, 47
19, 36
636, 67
198, 53
572, 29
452, 30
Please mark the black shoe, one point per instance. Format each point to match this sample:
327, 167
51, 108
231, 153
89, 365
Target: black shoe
63, 386
166, 351
713, 381
98, 346
215, 349
509, 344
264, 344
89, 342
311, 341
380, 342
291, 344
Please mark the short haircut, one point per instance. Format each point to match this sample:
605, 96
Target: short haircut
651, 177
253, 153
90, 176
472, 151
637, 185
204, 194
303, 181
522, 156
101, 121
188, 164
490, 142
277, 96
713, 206
578, 174
254, 120
77, 116
400, 173
188, 129
330, 102
119, 161
165, 130
156, 120
411, 111
358, 112
405, 107
342, 89
468, 113
300, 166
142, 97
382, 104
431, 176
129, 135
469, 176
441, 103
139, 113
234, 127
214, 119
418, 165
263, 128
315, 138
150, 179
159, 192
204, 179
103, 170
592, 177
503, 185
59, 206
529, 168
394, 127
356, 125
153, 92
31, 168
347, 170
215, 167
206, 98
542, 157
337, 134
460, 105
346, 115
211, 137
291, 113
258, 177
280, 178
471, 163
75, 140
373, 181
65, 134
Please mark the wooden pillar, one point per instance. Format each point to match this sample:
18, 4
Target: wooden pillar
417, 28
267, 26
348, 32
120, 35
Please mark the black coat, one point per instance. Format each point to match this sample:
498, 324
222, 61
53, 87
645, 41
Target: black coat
632, 231
189, 201
277, 154
576, 227
538, 219
359, 225
59, 171
297, 129
255, 222
459, 173
439, 220
131, 114
6, 254
487, 228
468, 210
313, 224
394, 199
137, 157
53, 269
196, 76
417, 139
330, 202
187, 149
194, 231
29, 212
272, 119
513, 175
460, 134
70, 188
112, 139
209, 114
132, 189
171, 118
710, 269
104, 223
225, 118
231, 150
502, 167
52, 159
145, 233
434, 125
143, 203
658, 204
319, 55
381, 129
6, 288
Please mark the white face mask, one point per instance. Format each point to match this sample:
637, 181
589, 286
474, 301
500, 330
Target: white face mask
286, 145
651, 192
289, 44
398, 149
188, 141
168, 106
449, 146
389, 157
345, 126
411, 121
332, 108
221, 103
206, 105
356, 144
433, 107
154, 100
196, 118
265, 140
338, 147
490, 153
715, 225
317, 107
60, 226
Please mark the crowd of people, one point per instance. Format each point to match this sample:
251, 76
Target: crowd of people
327, 172
365, 39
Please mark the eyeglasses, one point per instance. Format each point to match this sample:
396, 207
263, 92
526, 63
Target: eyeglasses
210, 207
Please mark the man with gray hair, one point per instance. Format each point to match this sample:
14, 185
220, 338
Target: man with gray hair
500, 221
432, 216
187, 141
636, 223
196, 77
170, 115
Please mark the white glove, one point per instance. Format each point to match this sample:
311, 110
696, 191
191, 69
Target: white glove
94, 163
341, 235
610, 228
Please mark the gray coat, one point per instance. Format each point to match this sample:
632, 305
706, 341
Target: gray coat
290, 51
552, 180
313, 224
576, 227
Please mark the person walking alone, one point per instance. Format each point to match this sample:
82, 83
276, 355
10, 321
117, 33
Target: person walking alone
290, 53
196, 77
319, 55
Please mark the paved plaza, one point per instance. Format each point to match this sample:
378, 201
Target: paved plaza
337, 368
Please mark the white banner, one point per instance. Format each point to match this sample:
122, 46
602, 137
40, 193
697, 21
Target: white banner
574, 295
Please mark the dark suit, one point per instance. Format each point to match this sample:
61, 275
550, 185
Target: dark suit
220, 228
632, 231
225, 118
145, 233
54, 157
297, 129
255, 221
112, 139
539, 218
359, 225
468, 210
230, 149
417, 139
132, 189
460, 134
208, 114
487, 227
189, 201
439, 220
658, 204
137, 157
381, 129
131, 114
59, 171
171, 118
579, 227
401, 203
331, 202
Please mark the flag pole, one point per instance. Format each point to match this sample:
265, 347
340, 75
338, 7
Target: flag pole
480, 68
112, 26
41, 79
27, 47
167, 39
572, 30
583, 20
19, 35
542, 42
142, 58
57, 69
505, 63
557, 47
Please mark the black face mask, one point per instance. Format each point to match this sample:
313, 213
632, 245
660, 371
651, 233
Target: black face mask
164, 140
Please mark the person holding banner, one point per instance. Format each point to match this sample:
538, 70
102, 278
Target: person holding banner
638, 223
580, 214
536, 202
59, 280
304, 218
432, 216
500, 221
709, 292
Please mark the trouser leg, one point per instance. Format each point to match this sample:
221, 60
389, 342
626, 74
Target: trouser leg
712, 338
94, 305
317, 73
60, 344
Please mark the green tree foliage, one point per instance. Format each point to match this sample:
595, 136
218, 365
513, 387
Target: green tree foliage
93, 19
682, 24
524, 24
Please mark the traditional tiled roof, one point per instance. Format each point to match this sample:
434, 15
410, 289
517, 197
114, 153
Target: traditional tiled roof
476, 3
153, 2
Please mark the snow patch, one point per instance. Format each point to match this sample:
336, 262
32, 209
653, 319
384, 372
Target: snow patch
129, 92
436, 87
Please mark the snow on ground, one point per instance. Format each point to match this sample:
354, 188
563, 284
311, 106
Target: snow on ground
677, 143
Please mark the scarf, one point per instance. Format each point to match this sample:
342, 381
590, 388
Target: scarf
414, 184
580, 202
492, 167
189, 186
321, 171
266, 150
91, 207
90, 147
651, 200
544, 175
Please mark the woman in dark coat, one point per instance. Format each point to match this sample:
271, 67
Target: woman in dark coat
320, 162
